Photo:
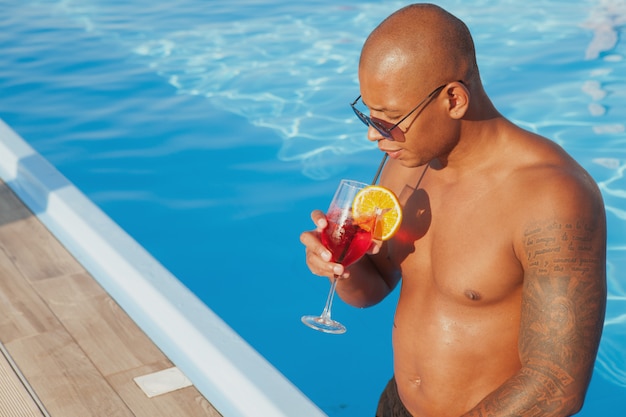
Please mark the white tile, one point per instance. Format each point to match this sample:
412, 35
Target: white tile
162, 382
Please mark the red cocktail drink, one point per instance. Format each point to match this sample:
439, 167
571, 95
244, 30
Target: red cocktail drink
346, 240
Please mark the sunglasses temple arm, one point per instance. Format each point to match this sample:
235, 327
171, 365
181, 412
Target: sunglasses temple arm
380, 168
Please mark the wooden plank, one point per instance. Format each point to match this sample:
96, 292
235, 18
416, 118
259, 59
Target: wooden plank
105, 333
22, 312
64, 378
33, 249
11, 208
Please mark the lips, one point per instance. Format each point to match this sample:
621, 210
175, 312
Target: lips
393, 153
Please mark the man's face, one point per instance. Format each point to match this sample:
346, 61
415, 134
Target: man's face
408, 115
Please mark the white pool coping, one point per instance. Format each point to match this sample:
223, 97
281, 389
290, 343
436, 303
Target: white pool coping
235, 378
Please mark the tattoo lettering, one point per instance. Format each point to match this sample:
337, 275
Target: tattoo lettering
556, 247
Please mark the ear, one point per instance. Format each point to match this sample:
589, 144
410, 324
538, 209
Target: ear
458, 99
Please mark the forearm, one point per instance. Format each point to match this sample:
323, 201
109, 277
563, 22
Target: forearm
532, 392
367, 284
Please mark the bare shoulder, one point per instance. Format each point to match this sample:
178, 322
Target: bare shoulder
552, 185
556, 201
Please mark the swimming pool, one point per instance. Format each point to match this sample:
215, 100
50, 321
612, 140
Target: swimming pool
209, 133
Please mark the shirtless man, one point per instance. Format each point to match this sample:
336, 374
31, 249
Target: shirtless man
503, 243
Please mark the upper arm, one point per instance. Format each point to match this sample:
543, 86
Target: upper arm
562, 248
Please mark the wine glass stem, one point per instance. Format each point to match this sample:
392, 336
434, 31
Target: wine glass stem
329, 301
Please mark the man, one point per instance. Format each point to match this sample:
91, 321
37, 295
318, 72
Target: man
503, 243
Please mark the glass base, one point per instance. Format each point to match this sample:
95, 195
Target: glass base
324, 325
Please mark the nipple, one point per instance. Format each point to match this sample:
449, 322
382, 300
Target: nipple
473, 295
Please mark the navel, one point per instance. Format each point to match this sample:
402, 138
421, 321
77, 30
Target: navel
473, 295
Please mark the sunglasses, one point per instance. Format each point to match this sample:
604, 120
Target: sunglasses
380, 127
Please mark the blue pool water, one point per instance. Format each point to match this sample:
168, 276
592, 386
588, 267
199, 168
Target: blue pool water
209, 130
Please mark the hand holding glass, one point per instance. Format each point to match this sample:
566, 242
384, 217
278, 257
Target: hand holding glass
347, 241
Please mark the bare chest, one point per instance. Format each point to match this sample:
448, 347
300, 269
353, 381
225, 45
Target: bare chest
458, 246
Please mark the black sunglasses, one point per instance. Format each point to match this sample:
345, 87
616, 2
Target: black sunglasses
386, 131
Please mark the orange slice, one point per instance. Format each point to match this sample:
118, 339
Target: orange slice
381, 202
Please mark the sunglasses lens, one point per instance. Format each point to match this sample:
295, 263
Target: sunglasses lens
381, 129
369, 122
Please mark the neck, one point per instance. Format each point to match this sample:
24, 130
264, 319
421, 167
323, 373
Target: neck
480, 132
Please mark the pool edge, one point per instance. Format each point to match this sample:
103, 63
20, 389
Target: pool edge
235, 378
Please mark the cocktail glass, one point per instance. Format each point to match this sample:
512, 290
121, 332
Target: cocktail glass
347, 240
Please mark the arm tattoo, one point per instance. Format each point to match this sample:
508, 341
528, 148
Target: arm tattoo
562, 317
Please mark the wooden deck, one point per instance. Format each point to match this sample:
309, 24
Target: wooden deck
74, 345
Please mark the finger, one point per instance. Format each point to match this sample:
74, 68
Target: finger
318, 257
321, 267
313, 244
375, 247
338, 270
319, 263
319, 218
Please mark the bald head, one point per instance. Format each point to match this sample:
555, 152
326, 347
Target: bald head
423, 43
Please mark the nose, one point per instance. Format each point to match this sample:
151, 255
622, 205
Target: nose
373, 134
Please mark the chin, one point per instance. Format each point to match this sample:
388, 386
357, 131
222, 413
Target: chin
412, 163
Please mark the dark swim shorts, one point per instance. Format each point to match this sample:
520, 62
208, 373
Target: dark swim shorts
389, 404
